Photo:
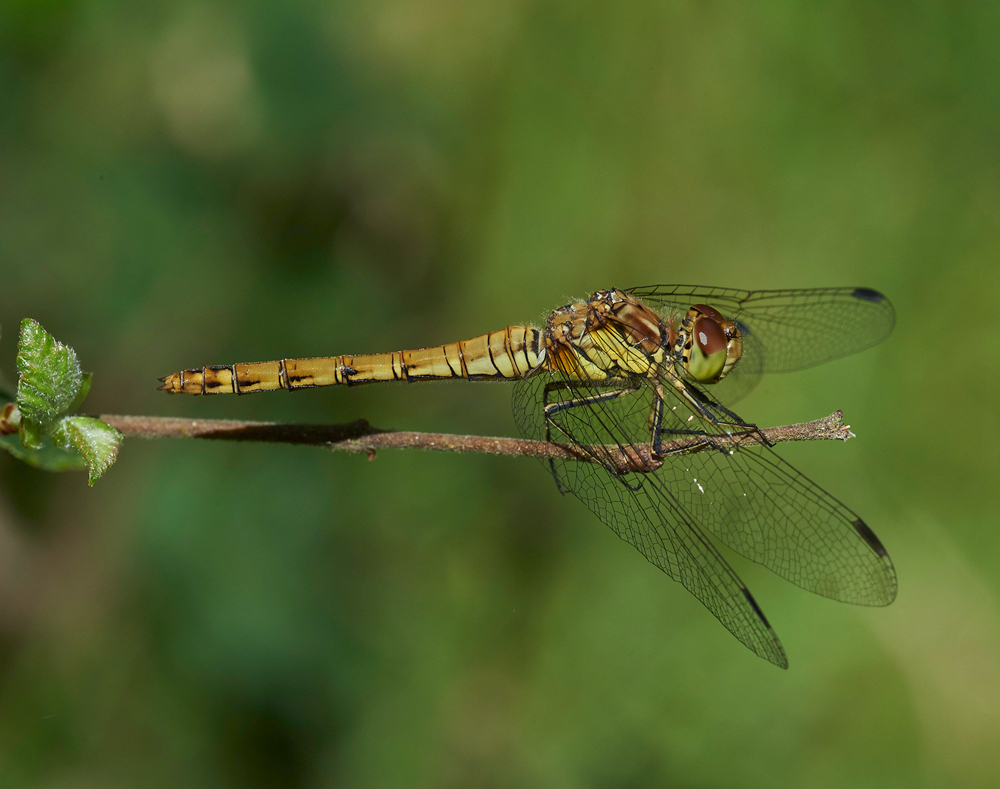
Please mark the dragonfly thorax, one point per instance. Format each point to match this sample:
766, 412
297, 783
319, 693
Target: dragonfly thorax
611, 335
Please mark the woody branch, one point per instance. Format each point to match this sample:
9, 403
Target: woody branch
361, 437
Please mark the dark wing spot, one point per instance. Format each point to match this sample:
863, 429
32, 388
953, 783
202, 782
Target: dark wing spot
754, 606
869, 537
867, 294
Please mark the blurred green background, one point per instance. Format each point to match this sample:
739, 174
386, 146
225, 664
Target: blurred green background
208, 182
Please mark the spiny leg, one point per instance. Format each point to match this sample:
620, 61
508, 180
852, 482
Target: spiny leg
701, 402
657, 431
549, 410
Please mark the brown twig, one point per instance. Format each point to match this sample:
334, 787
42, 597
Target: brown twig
360, 437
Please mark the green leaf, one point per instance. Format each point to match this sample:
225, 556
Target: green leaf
85, 382
51, 384
48, 458
31, 433
95, 440
50, 376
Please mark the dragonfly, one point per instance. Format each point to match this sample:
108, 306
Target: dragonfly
641, 382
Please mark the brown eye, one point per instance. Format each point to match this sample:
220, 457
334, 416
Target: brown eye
710, 312
709, 335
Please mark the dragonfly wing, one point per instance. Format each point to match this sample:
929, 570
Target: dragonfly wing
766, 510
638, 507
794, 329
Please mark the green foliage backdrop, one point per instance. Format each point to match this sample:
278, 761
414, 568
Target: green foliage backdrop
207, 182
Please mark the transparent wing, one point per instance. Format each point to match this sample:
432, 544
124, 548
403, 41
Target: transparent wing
791, 329
749, 497
638, 507
768, 511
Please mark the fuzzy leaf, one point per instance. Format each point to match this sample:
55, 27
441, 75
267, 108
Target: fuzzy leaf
85, 382
30, 433
48, 458
95, 440
50, 376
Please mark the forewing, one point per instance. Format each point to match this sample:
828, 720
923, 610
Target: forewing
793, 329
609, 421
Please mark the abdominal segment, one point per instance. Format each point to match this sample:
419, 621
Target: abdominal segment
507, 354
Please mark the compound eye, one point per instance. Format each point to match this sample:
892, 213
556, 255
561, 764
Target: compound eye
709, 335
708, 352
709, 312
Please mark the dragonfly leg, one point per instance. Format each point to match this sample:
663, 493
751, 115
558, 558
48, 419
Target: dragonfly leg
551, 409
704, 407
657, 431
656, 423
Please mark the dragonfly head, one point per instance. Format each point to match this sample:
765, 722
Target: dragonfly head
709, 344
